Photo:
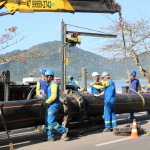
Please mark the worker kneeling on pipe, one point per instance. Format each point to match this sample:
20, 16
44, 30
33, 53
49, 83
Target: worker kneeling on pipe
74, 82
52, 107
109, 101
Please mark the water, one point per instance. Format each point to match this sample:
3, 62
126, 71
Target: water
120, 83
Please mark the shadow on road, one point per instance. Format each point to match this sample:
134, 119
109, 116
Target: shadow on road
25, 137
28, 137
143, 119
21, 140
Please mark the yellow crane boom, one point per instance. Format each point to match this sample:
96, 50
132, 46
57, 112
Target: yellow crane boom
96, 6
37, 6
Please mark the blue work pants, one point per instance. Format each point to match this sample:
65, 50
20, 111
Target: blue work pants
109, 115
51, 123
132, 113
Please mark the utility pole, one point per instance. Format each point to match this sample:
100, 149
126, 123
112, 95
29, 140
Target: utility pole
73, 40
63, 53
84, 78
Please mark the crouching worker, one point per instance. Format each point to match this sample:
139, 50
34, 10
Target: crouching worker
52, 107
109, 101
73, 82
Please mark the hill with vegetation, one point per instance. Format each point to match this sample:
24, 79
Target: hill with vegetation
48, 55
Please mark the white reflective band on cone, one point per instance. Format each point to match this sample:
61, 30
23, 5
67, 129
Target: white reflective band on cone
134, 123
134, 130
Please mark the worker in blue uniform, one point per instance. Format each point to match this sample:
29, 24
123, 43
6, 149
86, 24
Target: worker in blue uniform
109, 101
41, 86
96, 89
52, 107
41, 92
134, 87
74, 82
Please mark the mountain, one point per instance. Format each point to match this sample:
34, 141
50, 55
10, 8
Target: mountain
50, 57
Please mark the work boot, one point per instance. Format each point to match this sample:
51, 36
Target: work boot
50, 139
107, 130
64, 135
46, 139
43, 129
114, 129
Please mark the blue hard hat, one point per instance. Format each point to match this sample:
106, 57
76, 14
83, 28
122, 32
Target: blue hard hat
133, 73
49, 73
43, 72
70, 76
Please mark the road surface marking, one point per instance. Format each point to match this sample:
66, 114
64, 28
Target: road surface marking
16, 144
106, 143
111, 142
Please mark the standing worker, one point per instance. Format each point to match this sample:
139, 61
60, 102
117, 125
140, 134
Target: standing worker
52, 107
41, 92
109, 101
41, 86
134, 86
96, 89
74, 82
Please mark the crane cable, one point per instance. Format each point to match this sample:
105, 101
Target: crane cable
124, 44
85, 28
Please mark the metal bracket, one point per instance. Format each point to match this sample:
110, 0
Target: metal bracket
65, 102
82, 105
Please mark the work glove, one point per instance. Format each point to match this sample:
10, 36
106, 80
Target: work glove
96, 95
91, 84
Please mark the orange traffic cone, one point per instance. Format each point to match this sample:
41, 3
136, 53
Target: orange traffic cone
134, 132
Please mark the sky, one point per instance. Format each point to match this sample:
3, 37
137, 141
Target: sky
42, 27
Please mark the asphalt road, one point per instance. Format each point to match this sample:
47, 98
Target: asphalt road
94, 139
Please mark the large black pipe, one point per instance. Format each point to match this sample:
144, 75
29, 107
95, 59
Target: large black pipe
26, 113
125, 103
